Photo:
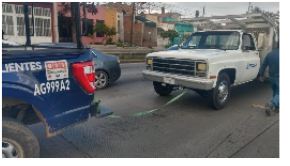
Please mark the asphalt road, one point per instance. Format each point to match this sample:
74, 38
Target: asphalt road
186, 128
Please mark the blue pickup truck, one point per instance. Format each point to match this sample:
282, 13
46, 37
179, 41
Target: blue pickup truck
51, 86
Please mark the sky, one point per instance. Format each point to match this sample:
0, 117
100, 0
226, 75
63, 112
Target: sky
218, 8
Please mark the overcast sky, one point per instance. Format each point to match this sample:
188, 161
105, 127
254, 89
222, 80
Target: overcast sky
218, 8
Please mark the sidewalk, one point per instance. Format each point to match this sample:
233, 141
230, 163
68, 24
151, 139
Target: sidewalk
127, 54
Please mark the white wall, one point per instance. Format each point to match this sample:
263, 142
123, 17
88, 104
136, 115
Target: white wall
34, 39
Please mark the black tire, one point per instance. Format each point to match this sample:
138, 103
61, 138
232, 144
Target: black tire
20, 138
101, 79
162, 89
216, 98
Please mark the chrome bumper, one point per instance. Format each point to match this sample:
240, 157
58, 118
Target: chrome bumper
185, 81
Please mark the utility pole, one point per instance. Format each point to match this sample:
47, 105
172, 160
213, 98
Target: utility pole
75, 9
26, 20
132, 24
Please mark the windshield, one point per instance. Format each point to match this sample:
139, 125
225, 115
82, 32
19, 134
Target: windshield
225, 40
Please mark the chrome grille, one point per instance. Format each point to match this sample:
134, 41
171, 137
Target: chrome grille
174, 66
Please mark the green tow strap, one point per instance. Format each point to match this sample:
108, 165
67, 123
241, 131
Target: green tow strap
144, 113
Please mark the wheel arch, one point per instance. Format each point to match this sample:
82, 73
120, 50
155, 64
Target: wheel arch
231, 71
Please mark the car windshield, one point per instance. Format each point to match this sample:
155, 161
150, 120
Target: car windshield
225, 40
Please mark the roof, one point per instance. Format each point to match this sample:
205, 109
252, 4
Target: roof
146, 21
224, 30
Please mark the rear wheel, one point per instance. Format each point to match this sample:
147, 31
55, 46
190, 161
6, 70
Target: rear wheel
162, 89
18, 141
101, 79
220, 95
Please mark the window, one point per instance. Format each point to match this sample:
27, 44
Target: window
194, 41
42, 27
6, 8
100, 24
119, 26
21, 26
7, 25
19, 9
39, 11
248, 42
225, 40
87, 27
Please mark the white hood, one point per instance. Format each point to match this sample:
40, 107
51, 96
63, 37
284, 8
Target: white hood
194, 54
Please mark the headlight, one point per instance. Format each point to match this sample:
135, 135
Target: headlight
149, 61
201, 66
201, 69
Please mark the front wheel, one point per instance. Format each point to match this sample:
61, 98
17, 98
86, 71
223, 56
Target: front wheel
220, 95
162, 89
18, 141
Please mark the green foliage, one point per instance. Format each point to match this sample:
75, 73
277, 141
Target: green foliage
171, 34
120, 44
100, 28
108, 32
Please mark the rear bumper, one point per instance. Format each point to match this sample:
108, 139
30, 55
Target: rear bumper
78, 115
188, 82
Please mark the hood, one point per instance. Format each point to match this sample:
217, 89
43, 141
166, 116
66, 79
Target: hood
194, 54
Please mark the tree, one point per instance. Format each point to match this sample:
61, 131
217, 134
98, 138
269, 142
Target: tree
103, 30
171, 34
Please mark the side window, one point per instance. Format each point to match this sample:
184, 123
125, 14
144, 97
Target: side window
248, 42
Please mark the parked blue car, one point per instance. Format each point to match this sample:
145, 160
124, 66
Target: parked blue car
107, 69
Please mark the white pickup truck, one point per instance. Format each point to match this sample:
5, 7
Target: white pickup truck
209, 62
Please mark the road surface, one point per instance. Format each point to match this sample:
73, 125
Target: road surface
186, 128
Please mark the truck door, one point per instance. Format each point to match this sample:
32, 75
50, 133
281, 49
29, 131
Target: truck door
251, 58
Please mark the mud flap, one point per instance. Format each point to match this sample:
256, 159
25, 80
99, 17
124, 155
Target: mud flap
98, 110
104, 111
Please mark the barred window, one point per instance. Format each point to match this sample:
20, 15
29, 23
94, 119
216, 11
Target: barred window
21, 26
19, 9
7, 25
87, 27
6, 8
42, 27
39, 11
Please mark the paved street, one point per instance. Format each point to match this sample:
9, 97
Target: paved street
186, 128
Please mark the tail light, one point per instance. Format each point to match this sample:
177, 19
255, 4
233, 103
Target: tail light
84, 73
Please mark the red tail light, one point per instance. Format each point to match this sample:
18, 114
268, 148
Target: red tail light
84, 73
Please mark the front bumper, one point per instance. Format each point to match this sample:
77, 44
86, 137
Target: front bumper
188, 82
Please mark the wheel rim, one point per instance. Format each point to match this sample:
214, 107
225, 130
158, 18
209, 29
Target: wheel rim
223, 91
11, 149
101, 80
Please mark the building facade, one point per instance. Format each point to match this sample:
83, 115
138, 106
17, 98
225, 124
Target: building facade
144, 31
90, 15
41, 22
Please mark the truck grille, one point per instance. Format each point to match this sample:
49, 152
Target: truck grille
174, 66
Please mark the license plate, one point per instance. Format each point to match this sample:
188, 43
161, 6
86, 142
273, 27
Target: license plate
169, 80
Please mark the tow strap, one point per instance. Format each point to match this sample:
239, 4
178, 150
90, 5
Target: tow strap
144, 113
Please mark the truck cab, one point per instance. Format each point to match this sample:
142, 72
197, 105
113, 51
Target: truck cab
209, 62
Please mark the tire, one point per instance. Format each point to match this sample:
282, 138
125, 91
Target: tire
18, 140
220, 95
101, 79
162, 89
